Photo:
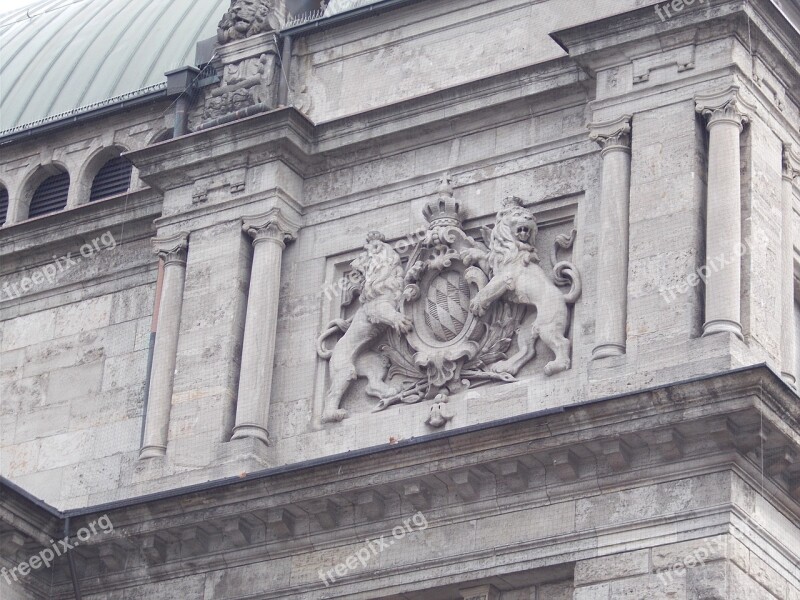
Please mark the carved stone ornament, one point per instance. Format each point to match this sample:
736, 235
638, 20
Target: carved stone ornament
246, 18
446, 320
247, 84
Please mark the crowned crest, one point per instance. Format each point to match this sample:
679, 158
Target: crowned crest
449, 317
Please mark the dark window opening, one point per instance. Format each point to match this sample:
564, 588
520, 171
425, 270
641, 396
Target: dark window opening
50, 196
113, 179
3, 205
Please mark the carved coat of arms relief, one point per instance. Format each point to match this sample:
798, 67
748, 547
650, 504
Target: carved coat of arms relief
458, 313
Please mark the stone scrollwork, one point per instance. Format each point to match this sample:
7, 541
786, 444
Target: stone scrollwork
447, 320
246, 18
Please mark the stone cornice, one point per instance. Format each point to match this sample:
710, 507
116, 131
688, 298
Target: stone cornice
84, 219
729, 423
285, 134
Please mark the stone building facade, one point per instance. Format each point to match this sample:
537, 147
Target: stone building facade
431, 300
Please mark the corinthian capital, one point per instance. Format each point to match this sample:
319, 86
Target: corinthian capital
612, 135
272, 226
172, 249
727, 106
791, 163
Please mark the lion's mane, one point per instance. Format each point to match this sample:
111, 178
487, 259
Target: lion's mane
504, 247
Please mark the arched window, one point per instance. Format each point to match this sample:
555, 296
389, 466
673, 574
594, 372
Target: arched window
3, 204
164, 136
113, 178
50, 196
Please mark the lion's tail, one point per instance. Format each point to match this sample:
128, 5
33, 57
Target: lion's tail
564, 273
335, 326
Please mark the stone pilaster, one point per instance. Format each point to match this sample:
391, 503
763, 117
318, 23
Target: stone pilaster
612, 282
269, 231
791, 170
726, 114
172, 250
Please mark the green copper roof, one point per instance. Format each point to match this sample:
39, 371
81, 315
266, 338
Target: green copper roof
60, 55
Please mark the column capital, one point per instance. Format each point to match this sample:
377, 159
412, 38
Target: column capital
272, 226
480, 592
612, 135
172, 249
727, 106
791, 163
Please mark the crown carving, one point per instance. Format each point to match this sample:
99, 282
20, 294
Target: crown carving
445, 210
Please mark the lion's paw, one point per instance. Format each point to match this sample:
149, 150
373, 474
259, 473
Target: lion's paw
476, 307
503, 366
402, 324
556, 366
334, 416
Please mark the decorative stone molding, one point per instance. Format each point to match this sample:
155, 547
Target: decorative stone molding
566, 464
481, 592
238, 514
246, 18
726, 113
468, 484
272, 227
281, 523
726, 107
446, 319
372, 504
791, 163
612, 283
172, 250
612, 135
270, 232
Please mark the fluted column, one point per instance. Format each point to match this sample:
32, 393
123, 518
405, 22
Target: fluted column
269, 233
612, 260
172, 250
726, 114
791, 170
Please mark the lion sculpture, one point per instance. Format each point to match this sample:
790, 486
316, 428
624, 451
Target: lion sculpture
246, 18
513, 266
380, 282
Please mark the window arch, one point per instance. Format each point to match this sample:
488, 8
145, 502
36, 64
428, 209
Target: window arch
3, 204
165, 135
113, 178
51, 194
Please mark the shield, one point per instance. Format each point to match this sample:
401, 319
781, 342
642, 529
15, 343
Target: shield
446, 305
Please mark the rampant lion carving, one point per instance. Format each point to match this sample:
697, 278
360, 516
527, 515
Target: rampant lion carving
513, 265
380, 288
246, 18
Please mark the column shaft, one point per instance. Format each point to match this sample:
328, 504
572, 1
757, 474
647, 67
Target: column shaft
612, 280
261, 321
726, 116
723, 230
159, 399
791, 168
